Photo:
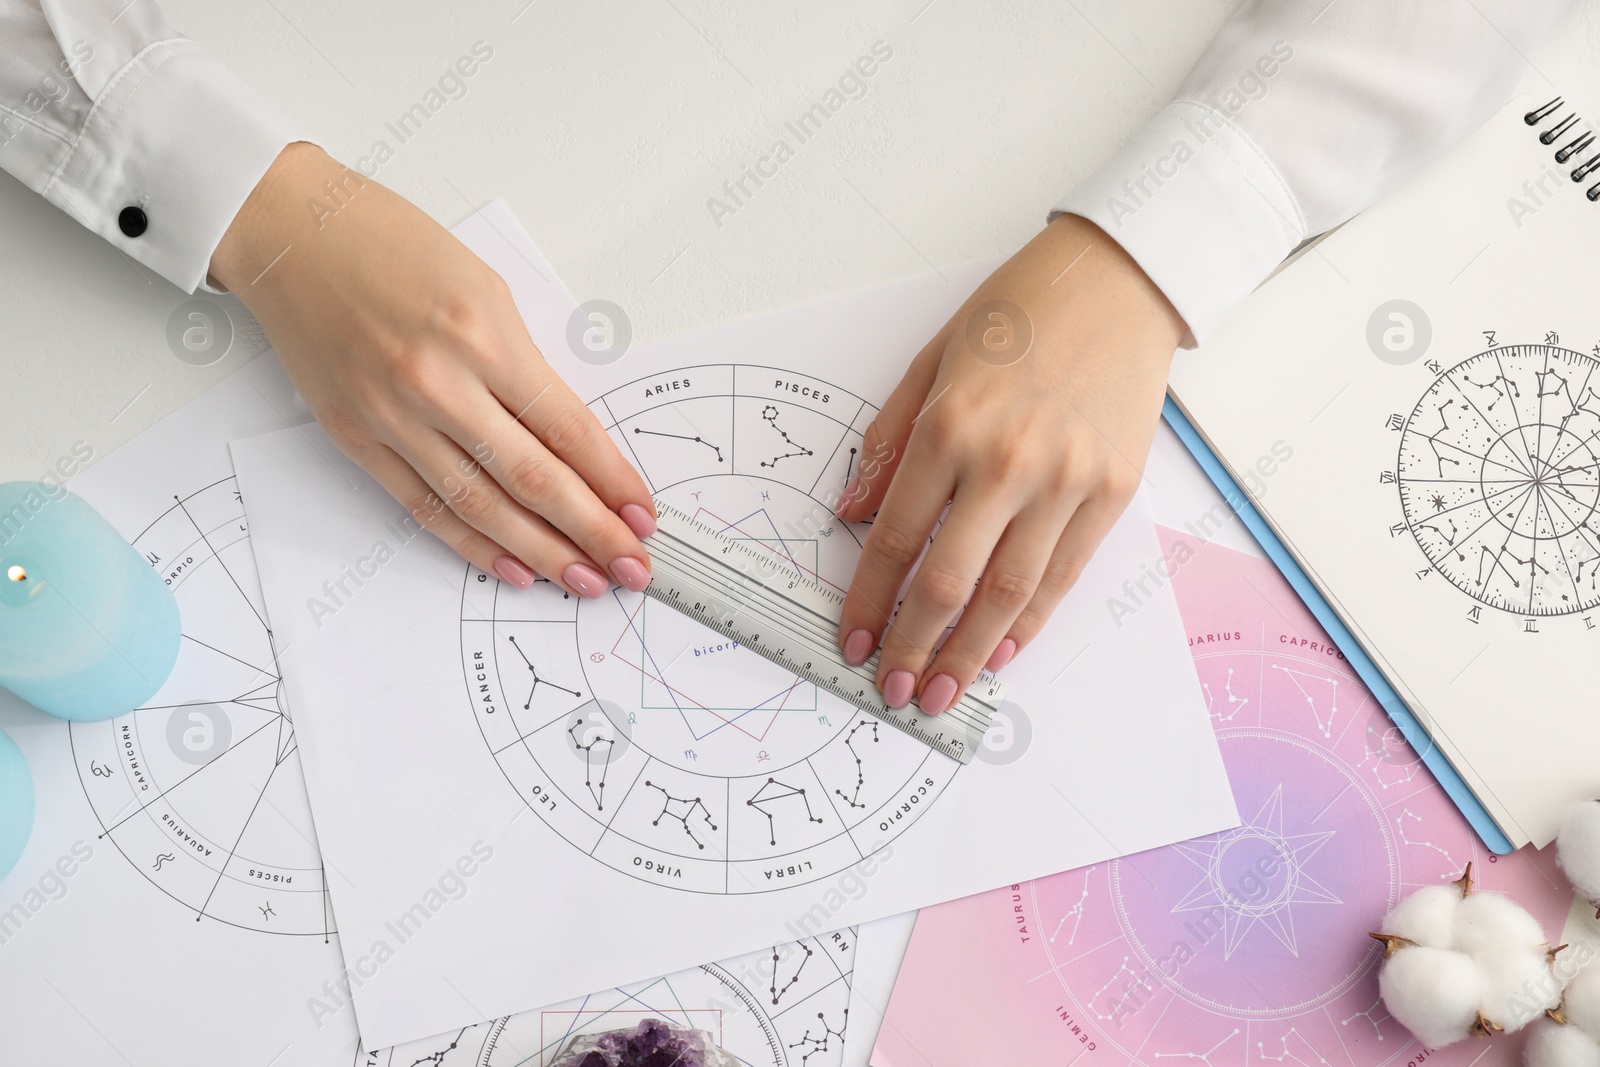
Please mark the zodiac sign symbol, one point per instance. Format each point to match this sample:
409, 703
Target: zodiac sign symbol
98, 770
596, 657
685, 808
770, 414
165, 857
762, 757
267, 913
780, 791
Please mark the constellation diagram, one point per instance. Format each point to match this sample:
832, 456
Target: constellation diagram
724, 773
1285, 1054
814, 1045
729, 1000
682, 437
1387, 750
1308, 684
1203, 1057
849, 742
1499, 479
794, 978
416, 1053
680, 809
770, 415
602, 737
200, 789
1123, 993
770, 793
1235, 704
1409, 817
1074, 913
534, 680
1371, 1013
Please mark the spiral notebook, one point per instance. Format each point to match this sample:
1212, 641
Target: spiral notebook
1412, 407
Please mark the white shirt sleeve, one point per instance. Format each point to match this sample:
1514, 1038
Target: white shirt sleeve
131, 129
1300, 114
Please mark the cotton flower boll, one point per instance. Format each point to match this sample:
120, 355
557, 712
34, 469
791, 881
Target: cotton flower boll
1460, 963
1550, 1044
1578, 849
1426, 917
1581, 1001
1432, 992
1518, 986
1485, 922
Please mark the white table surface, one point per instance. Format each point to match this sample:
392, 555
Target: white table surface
607, 125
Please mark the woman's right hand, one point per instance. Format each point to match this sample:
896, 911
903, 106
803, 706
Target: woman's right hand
412, 355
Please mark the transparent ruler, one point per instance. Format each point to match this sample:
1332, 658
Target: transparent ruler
741, 590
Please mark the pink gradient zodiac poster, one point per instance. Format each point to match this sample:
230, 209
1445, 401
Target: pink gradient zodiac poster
1246, 948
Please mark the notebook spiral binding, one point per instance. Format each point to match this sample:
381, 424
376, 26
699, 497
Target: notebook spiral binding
1568, 152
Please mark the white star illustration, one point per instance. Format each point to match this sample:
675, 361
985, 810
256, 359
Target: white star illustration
1287, 884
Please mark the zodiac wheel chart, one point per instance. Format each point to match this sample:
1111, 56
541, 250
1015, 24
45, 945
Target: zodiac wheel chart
1249, 944
1499, 478
201, 789
783, 1007
657, 746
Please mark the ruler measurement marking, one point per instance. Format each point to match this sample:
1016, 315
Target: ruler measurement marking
777, 616
791, 619
821, 640
749, 584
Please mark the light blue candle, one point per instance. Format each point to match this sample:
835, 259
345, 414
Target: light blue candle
87, 629
16, 804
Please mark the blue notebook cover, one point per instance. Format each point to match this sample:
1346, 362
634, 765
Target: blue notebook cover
1432, 757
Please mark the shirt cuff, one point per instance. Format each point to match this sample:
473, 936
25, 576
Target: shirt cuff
172, 148
1198, 207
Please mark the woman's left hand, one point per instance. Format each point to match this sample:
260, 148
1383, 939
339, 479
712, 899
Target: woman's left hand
1030, 414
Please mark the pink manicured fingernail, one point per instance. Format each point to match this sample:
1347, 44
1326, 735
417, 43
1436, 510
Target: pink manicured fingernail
512, 570
638, 520
630, 573
857, 647
1002, 655
584, 579
897, 688
939, 694
848, 497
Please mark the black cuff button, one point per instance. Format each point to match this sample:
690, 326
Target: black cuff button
133, 221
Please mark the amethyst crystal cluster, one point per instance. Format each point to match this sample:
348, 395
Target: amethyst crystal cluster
653, 1043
